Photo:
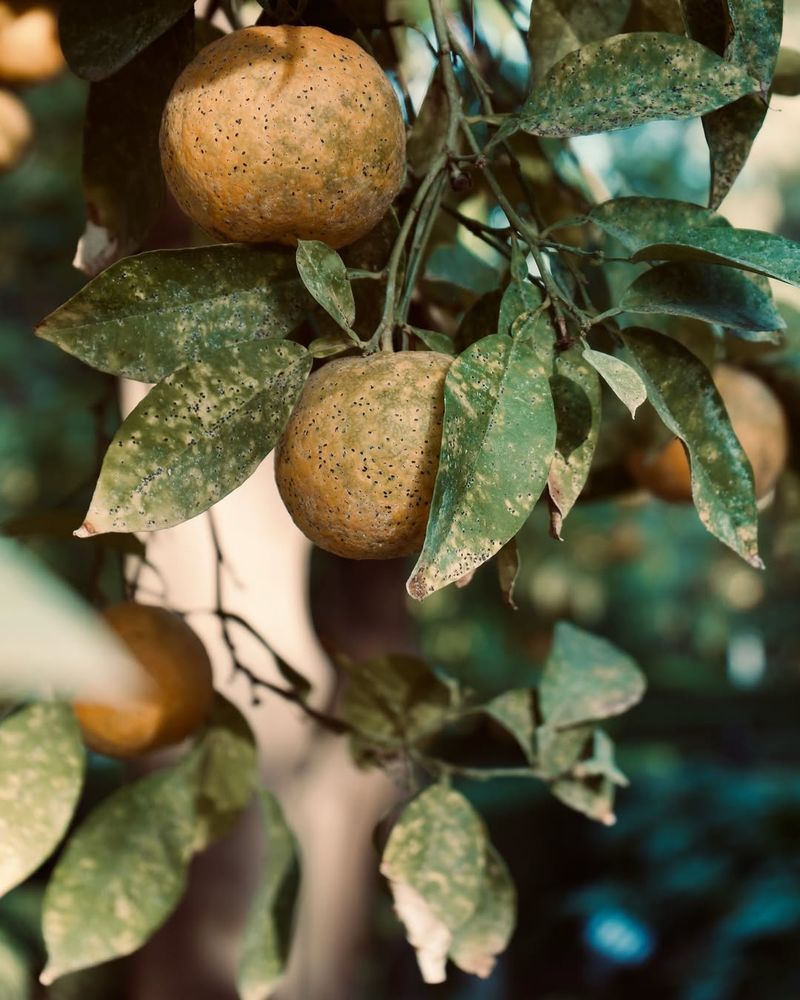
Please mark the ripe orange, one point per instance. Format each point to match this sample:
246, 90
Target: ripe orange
357, 462
16, 130
181, 692
280, 134
29, 47
758, 420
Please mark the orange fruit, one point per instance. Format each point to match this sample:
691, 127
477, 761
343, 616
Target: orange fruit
181, 690
280, 134
758, 421
357, 462
16, 130
29, 47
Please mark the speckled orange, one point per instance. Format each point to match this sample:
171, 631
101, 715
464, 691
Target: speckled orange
758, 420
181, 693
16, 130
357, 462
280, 134
29, 47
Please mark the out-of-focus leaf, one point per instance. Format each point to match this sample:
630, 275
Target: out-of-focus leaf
508, 564
623, 380
586, 678
601, 762
427, 137
16, 981
325, 276
392, 702
594, 797
148, 315
514, 711
61, 524
41, 774
456, 265
786, 80
486, 934
481, 320
708, 292
99, 37
267, 936
196, 436
434, 340
497, 444
627, 80
55, 645
576, 397
559, 750
655, 15
560, 26
435, 861
681, 389
122, 179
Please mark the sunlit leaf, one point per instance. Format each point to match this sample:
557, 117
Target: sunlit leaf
196, 436
325, 276
586, 678
707, 292
435, 861
267, 936
497, 444
623, 380
627, 80
487, 933
41, 775
148, 315
681, 389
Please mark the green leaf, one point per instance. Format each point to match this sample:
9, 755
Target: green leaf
497, 443
487, 933
435, 861
122, 179
623, 380
586, 678
601, 761
267, 935
122, 872
41, 774
434, 340
148, 315
637, 222
559, 750
708, 292
508, 566
757, 26
730, 133
196, 436
627, 80
514, 711
392, 702
594, 797
54, 644
680, 388
329, 345
325, 276
748, 249
520, 297
100, 37
576, 397
786, 79
16, 981
559, 27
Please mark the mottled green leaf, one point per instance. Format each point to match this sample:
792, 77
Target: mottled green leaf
520, 297
594, 797
576, 397
148, 315
514, 711
636, 222
497, 443
392, 702
730, 133
708, 292
748, 249
427, 137
559, 750
757, 26
786, 79
586, 678
619, 377
325, 276
435, 861
196, 436
41, 774
122, 179
680, 388
600, 761
627, 80
122, 872
560, 26
54, 644
267, 936
508, 565
488, 931
100, 36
